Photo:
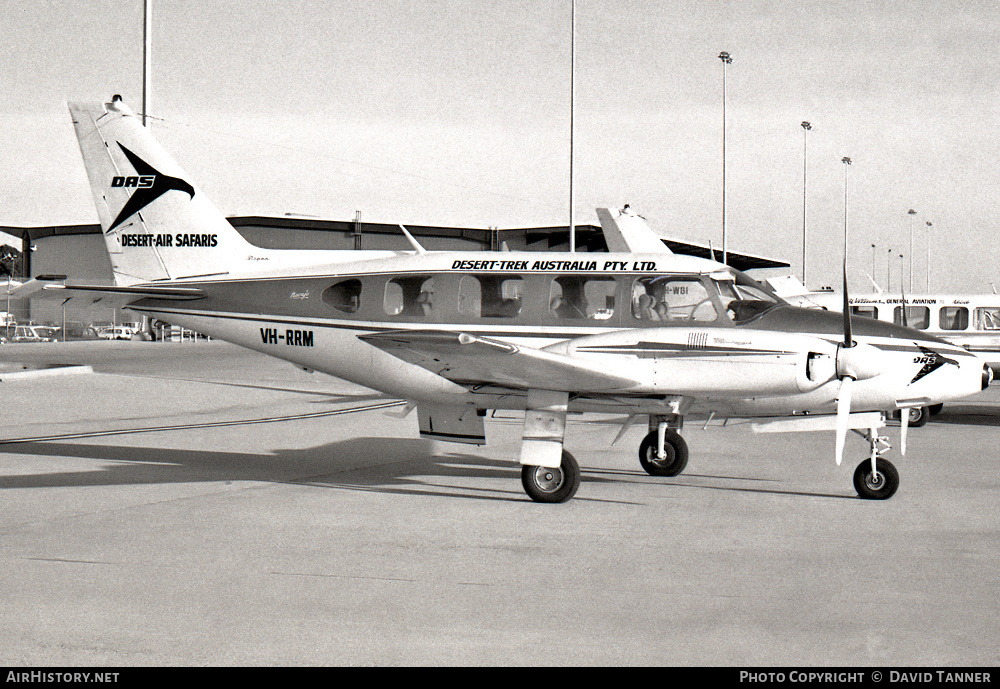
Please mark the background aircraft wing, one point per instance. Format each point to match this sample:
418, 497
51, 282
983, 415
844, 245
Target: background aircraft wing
465, 358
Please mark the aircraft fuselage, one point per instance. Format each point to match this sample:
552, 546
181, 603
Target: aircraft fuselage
665, 322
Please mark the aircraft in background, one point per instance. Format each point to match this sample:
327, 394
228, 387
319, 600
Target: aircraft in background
646, 333
971, 321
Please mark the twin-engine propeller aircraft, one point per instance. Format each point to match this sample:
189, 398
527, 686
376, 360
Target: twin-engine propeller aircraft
652, 334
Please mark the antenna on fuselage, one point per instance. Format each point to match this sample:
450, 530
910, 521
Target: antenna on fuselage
413, 242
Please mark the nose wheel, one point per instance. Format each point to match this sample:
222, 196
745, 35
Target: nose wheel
876, 478
880, 484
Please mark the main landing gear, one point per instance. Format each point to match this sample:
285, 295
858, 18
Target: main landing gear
543, 484
666, 459
919, 415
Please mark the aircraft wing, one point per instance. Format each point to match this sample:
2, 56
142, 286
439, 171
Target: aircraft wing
465, 358
108, 294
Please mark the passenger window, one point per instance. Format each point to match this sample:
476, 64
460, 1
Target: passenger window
988, 318
672, 299
409, 296
573, 296
953, 318
918, 317
344, 296
865, 311
490, 296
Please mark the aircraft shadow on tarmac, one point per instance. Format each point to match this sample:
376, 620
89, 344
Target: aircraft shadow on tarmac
385, 465
369, 464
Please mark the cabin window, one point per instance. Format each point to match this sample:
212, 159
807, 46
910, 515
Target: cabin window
490, 296
865, 311
988, 318
953, 318
344, 296
672, 299
918, 317
409, 296
573, 296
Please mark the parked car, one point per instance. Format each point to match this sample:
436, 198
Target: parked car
34, 333
77, 332
118, 332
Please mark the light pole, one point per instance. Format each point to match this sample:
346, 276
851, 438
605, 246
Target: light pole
888, 271
847, 166
805, 135
927, 268
873, 269
572, 108
147, 58
911, 213
726, 60
901, 276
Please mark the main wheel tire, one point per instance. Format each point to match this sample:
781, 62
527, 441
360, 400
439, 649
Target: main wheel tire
544, 484
919, 416
675, 451
880, 487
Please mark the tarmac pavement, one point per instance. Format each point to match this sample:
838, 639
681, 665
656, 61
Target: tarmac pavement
199, 504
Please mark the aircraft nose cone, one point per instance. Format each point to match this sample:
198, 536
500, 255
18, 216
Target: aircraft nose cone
987, 376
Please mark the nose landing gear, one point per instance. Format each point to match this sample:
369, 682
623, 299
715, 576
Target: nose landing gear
876, 478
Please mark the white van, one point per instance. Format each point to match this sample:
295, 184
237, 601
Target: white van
34, 333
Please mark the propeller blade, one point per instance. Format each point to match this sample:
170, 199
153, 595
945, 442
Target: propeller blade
904, 424
843, 413
848, 335
906, 319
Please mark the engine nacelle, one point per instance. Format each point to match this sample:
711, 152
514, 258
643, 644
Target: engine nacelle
722, 362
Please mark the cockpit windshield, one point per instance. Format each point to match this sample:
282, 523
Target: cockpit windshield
744, 298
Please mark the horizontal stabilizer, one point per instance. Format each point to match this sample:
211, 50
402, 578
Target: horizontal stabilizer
465, 358
107, 294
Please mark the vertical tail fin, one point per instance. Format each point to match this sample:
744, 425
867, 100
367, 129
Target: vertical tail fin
157, 225
626, 232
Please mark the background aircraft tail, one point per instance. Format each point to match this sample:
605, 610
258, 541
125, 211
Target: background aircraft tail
157, 224
626, 232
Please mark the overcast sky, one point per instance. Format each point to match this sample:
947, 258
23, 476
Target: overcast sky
456, 112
